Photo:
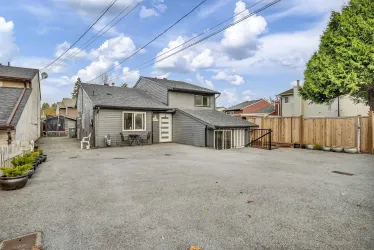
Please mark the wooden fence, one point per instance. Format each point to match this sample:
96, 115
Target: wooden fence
331, 131
10, 151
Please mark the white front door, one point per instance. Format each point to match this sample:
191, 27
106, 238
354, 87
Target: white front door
165, 127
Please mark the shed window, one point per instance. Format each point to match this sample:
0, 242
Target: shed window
134, 121
286, 99
202, 101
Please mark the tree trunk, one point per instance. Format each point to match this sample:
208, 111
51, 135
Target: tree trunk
371, 99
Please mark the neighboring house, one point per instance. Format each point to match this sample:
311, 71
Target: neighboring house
19, 104
220, 109
168, 111
68, 107
245, 109
291, 104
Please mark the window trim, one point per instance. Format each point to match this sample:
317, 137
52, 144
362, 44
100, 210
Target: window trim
202, 105
286, 99
133, 121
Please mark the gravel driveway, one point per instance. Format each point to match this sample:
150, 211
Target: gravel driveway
172, 196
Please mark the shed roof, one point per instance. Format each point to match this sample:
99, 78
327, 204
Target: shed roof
216, 119
69, 102
17, 72
287, 92
266, 110
8, 100
120, 97
181, 86
242, 105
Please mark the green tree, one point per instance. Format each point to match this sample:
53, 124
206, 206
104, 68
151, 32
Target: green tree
77, 84
45, 105
344, 62
124, 85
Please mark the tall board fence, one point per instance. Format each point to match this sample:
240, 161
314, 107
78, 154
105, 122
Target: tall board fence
329, 131
15, 149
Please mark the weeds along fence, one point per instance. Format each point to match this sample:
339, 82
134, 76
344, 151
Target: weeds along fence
329, 131
10, 151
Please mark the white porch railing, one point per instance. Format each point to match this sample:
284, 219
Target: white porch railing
10, 151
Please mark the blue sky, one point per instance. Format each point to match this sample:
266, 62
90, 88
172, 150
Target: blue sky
257, 58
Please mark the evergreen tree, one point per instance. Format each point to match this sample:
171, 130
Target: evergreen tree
77, 84
124, 85
344, 63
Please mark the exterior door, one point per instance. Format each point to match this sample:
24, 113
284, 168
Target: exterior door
165, 127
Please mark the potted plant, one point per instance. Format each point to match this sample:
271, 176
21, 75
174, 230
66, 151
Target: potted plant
14, 177
303, 146
318, 147
42, 155
297, 145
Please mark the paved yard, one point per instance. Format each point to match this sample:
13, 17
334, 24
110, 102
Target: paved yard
173, 196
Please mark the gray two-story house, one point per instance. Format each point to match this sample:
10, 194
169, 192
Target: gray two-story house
159, 109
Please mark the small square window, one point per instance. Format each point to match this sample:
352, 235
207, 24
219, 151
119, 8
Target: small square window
286, 99
202, 101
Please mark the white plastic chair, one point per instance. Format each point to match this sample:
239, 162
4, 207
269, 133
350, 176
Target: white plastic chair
86, 140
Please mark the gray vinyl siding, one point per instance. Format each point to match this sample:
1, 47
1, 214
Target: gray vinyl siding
156, 91
187, 130
156, 131
108, 121
210, 138
187, 100
84, 114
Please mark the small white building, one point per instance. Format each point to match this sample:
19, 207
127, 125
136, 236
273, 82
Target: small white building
291, 104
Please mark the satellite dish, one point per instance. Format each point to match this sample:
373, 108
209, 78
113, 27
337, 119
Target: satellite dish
44, 75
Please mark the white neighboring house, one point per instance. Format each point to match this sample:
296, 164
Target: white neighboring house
19, 104
291, 104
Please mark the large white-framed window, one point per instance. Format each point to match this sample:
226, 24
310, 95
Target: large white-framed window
202, 101
134, 121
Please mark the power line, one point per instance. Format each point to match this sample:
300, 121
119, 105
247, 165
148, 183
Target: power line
136, 52
202, 33
97, 35
203, 39
84, 33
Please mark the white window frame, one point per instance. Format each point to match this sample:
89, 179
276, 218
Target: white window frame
286, 99
133, 121
202, 101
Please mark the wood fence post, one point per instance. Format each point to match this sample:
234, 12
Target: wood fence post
371, 132
301, 130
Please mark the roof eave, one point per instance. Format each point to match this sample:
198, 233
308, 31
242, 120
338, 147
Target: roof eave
128, 107
194, 91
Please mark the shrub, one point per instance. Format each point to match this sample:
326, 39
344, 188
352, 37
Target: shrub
40, 151
16, 171
22, 160
318, 147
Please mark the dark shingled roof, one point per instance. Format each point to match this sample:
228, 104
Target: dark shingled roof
217, 119
181, 86
8, 100
17, 72
266, 110
242, 105
119, 97
287, 92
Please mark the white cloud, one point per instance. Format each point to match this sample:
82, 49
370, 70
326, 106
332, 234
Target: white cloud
294, 83
62, 47
228, 97
130, 79
59, 81
94, 69
204, 83
144, 12
192, 59
203, 60
207, 10
115, 48
159, 5
8, 48
240, 41
160, 75
247, 95
40, 11
233, 79
39, 62
308, 8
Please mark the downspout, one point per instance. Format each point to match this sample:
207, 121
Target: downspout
338, 106
206, 136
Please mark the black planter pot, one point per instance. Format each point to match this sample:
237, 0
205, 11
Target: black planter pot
303, 146
44, 158
34, 166
30, 173
12, 183
296, 145
40, 159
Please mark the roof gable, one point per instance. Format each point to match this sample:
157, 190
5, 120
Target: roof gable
17, 72
242, 105
120, 97
287, 92
181, 86
8, 101
69, 102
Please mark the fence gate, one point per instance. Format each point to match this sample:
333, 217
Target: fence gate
260, 138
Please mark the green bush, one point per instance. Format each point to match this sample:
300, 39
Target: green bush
318, 147
22, 160
40, 151
16, 171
